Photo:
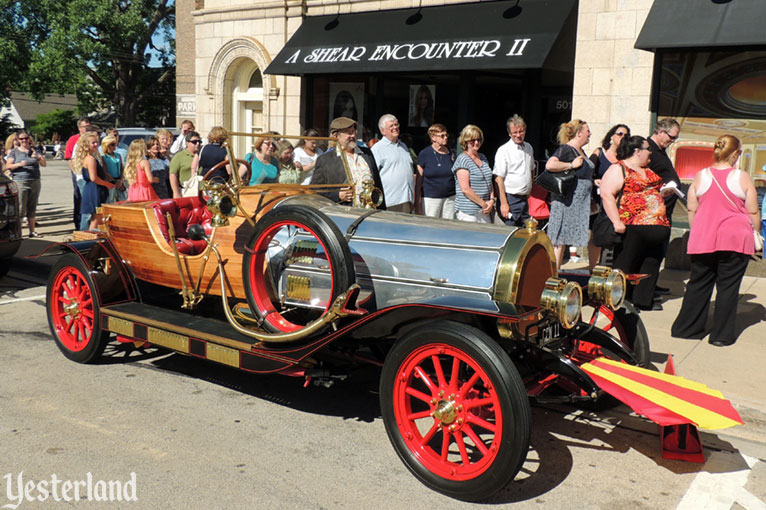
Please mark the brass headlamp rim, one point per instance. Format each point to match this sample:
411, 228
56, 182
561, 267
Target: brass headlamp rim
554, 298
601, 284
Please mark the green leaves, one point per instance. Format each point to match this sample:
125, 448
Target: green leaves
99, 49
57, 121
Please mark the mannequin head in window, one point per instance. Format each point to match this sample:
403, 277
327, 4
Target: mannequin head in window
345, 106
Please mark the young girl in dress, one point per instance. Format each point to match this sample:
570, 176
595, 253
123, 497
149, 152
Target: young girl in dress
139, 174
96, 190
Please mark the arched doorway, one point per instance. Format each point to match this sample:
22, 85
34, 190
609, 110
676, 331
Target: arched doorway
246, 105
242, 96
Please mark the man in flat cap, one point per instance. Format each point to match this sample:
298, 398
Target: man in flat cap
329, 167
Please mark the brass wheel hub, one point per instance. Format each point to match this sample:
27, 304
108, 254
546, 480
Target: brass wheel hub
445, 411
72, 309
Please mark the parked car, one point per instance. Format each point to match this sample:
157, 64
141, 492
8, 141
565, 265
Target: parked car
128, 134
467, 322
10, 222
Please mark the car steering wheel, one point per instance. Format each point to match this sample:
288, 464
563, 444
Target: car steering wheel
220, 164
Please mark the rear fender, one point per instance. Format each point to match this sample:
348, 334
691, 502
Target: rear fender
113, 280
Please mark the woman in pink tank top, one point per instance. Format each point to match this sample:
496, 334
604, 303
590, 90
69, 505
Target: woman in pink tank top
723, 212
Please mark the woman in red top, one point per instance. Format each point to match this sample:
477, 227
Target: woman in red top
723, 212
640, 215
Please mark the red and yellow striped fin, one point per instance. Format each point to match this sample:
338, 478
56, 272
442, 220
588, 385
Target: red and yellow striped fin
663, 398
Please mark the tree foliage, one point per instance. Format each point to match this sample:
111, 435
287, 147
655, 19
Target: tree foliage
61, 122
15, 48
100, 49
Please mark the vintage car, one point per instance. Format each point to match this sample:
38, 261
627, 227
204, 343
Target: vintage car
467, 322
10, 222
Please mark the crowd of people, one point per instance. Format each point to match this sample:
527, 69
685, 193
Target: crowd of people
629, 179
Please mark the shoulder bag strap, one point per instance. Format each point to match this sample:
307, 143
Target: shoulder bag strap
721, 188
199, 160
619, 197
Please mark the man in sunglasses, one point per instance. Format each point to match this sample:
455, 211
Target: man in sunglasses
180, 165
666, 132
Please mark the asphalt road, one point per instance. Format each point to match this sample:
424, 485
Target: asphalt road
199, 435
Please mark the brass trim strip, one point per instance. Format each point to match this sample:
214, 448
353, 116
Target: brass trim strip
223, 355
167, 339
120, 326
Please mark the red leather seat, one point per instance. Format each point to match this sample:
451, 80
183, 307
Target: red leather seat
184, 212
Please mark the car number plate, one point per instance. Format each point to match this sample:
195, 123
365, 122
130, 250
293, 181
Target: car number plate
549, 332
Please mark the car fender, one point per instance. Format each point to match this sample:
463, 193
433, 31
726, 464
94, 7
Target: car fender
113, 279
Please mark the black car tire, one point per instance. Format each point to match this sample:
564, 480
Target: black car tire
73, 311
5, 266
469, 401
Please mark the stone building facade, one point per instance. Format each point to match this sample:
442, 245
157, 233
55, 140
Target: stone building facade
594, 71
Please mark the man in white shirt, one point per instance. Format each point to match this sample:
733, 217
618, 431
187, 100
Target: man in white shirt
395, 166
179, 144
514, 163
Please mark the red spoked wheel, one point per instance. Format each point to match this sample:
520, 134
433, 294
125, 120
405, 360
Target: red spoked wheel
73, 311
455, 410
296, 263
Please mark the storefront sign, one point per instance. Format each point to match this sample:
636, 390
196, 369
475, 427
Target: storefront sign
411, 51
463, 36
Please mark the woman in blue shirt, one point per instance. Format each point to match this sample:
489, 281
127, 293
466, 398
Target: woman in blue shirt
474, 195
436, 182
113, 165
160, 167
263, 163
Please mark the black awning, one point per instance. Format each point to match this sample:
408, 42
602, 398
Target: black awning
703, 24
485, 35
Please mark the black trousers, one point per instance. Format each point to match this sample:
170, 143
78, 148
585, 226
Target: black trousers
641, 251
725, 270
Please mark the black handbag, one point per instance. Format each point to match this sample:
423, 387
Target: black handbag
560, 183
602, 230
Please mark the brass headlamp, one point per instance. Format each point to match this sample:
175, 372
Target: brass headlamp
564, 299
607, 286
370, 197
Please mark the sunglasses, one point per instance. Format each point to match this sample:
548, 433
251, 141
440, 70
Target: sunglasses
195, 142
618, 133
672, 138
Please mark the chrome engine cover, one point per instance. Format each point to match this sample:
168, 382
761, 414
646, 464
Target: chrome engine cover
404, 259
